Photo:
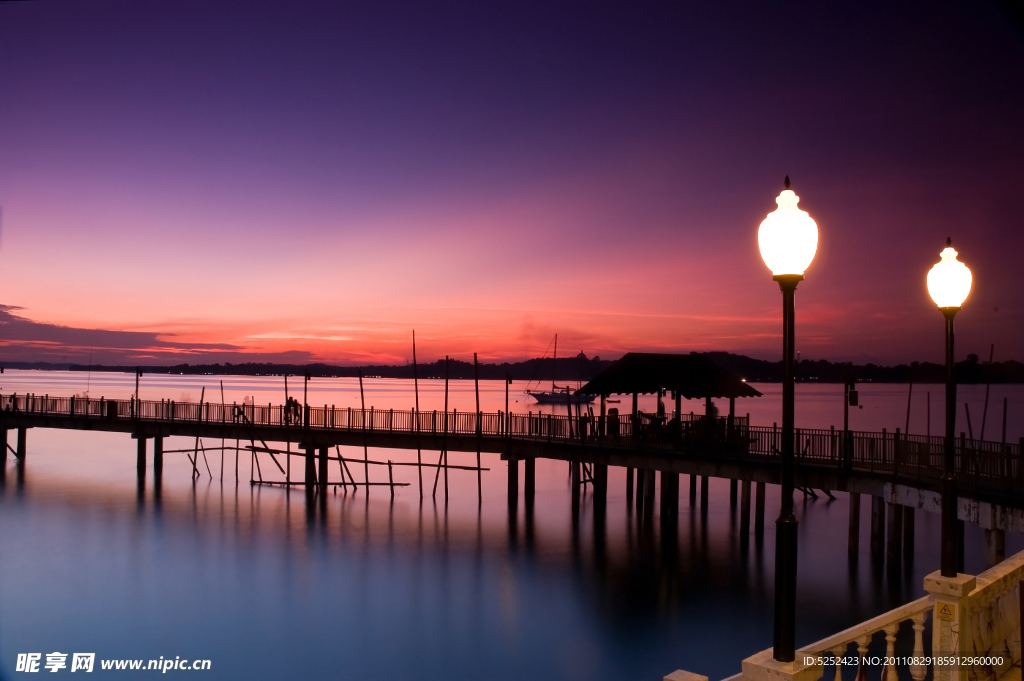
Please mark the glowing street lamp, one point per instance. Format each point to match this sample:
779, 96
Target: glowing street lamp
949, 283
788, 239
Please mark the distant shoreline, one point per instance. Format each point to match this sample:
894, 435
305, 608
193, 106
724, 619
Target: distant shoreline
583, 368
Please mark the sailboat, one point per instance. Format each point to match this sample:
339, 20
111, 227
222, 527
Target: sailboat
558, 394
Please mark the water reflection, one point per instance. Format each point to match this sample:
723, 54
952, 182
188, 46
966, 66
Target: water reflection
400, 586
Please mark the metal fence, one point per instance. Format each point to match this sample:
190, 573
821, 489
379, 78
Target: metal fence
983, 465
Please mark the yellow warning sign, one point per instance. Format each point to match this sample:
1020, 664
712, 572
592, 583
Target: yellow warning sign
947, 611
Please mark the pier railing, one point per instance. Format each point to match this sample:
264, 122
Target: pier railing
982, 640
992, 466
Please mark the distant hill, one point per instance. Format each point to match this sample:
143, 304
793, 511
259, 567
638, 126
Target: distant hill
583, 368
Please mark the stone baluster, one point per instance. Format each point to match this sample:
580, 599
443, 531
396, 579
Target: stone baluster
918, 671
890, 651
838, 653
862, 651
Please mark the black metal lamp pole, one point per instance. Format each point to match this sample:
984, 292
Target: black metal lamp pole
786, 524
950, 539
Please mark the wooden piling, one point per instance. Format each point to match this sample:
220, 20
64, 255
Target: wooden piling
704, 494
3, 453
669, 496
853, 541
600, 487
22, 449
733, 492
362, 418
693, 489
629, 486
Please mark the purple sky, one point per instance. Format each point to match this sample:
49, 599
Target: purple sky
224, 181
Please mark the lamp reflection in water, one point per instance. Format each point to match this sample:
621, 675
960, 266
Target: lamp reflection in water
788, 239
949, 283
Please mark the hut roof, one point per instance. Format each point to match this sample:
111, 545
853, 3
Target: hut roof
692, 376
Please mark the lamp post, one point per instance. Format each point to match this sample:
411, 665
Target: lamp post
949, 283
788, 239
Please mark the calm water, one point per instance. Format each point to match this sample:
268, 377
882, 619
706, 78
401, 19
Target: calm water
266, 588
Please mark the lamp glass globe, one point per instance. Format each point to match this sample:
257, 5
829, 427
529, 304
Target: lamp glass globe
788, 237
949, 280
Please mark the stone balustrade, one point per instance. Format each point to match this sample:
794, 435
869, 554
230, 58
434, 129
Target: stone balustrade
972, 617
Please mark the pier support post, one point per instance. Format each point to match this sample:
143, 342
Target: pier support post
908, 535
158, 460
669, 497
894, 548
22, 445
574, 467
733, 490
693, 489
960, 546
3, 452
995, 547
759, 510
704, 494
140, 462
853, 543
530, 480
745, 510
322, 478
600, 489
648, 497
310, 478
513, 483
629, 486
641, 481
877, 526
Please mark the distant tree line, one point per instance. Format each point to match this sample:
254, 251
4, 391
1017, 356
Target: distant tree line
583, 368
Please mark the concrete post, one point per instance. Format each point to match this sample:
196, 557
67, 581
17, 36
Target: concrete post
158, 459
669, 495
950, 621
310, 478
513, 483
323, 468
745, 509
600, 488
853, 543
759, 510
908, 535
140, 463
530, 480
894, 547
877, 527
995, 547
574, 467
641, 480
648, 497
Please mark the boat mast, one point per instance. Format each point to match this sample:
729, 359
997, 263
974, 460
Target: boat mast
554, 364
